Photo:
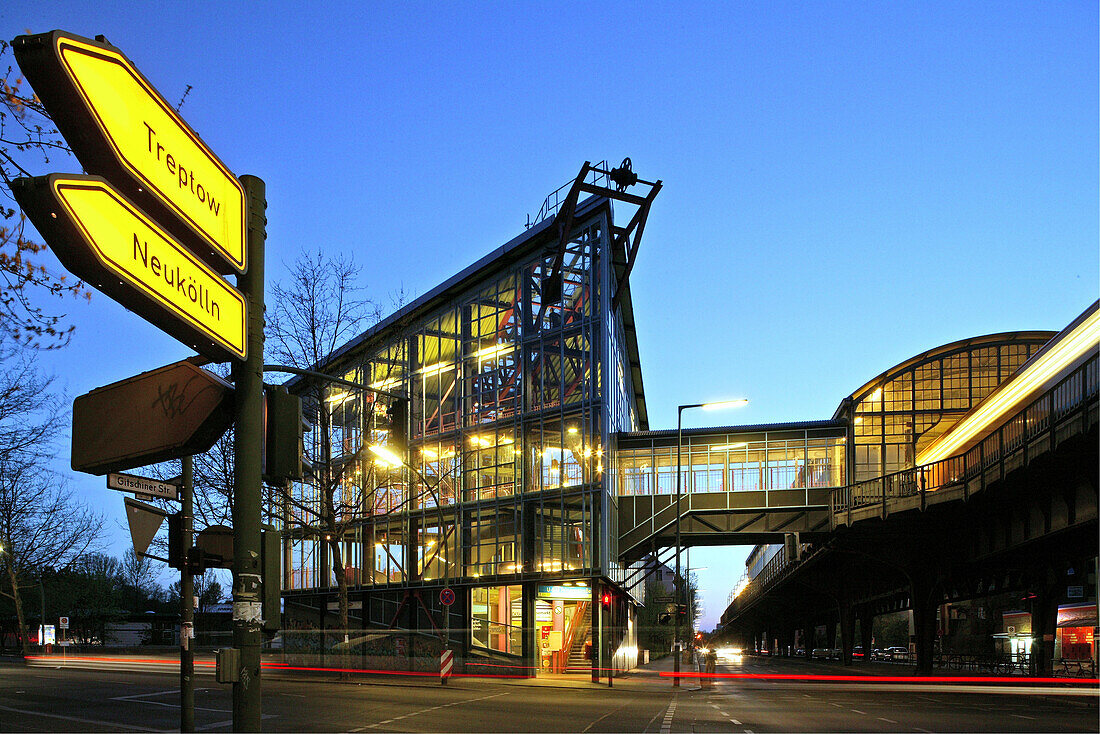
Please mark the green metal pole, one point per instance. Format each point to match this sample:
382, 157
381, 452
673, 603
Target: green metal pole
247, 461
187, 607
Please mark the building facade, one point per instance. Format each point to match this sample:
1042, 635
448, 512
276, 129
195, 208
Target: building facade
478, 462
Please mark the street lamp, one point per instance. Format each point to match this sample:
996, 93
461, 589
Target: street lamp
679, 581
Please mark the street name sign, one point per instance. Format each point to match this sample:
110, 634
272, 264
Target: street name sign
120, 127
104, 238
143, 486
174, 411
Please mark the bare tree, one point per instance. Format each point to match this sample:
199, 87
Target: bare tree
139, 577
27, 138
319, 309
41, 525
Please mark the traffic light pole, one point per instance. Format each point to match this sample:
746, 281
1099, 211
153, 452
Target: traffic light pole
247, 461
187, 606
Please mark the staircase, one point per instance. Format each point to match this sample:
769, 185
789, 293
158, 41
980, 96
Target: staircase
576, 662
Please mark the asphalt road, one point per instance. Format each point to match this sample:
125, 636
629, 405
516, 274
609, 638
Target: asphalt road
55, 699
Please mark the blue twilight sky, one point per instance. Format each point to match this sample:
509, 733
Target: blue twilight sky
846, 184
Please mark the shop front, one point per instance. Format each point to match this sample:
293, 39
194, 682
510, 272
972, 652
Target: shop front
1076, 639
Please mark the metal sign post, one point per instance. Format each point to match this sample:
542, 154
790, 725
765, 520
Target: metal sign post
248, 469
187, 608
166, 266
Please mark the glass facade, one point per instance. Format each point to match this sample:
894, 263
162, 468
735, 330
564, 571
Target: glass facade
901, 412
732, 461
499, 469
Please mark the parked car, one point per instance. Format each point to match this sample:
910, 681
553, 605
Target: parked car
896, 653
857, 651
820, 652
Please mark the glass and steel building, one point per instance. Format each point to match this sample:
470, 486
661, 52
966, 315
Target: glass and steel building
479, 461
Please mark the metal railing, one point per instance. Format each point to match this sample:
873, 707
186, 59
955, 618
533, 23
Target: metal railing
554, 201
1045, 417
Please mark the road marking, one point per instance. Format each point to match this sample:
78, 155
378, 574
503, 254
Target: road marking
589, 727
857, 711
923, 730
735, 721
143, 695
426, 710
137, 698
227, 722
666, 725
97, 722
836, 704
1021, 716
888, 721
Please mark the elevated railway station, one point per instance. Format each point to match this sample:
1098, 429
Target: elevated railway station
498, 490
994, 519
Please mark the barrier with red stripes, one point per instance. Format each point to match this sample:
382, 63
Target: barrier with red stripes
446, 663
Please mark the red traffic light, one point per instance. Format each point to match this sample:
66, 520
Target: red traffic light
606, 599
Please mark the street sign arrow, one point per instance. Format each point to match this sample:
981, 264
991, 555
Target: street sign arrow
103, 238
120, 127
174, 411
144, 521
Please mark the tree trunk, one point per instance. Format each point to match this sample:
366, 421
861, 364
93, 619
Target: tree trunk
24, 638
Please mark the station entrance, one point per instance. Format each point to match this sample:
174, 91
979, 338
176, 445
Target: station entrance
563, 628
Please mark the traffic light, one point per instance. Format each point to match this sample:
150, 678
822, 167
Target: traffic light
606, 600
284, 428
271, 547
176, 557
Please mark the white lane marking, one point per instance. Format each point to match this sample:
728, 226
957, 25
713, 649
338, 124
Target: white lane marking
227, 722
589, 727
735, 721
836, 704
97, 722
888, 721
923, 730
666, 725
748, 731
857, 711
145, 695
1021, 716
426, 710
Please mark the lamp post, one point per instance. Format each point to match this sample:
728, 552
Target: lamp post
676, 578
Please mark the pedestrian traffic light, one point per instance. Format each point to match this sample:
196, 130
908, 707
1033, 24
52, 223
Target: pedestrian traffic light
284, 429
606, 600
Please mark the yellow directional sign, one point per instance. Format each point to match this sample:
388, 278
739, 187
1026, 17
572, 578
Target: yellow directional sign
121, 128
102, 237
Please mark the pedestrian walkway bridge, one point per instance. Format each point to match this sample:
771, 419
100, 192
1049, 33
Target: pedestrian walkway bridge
744, 484
753, 484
